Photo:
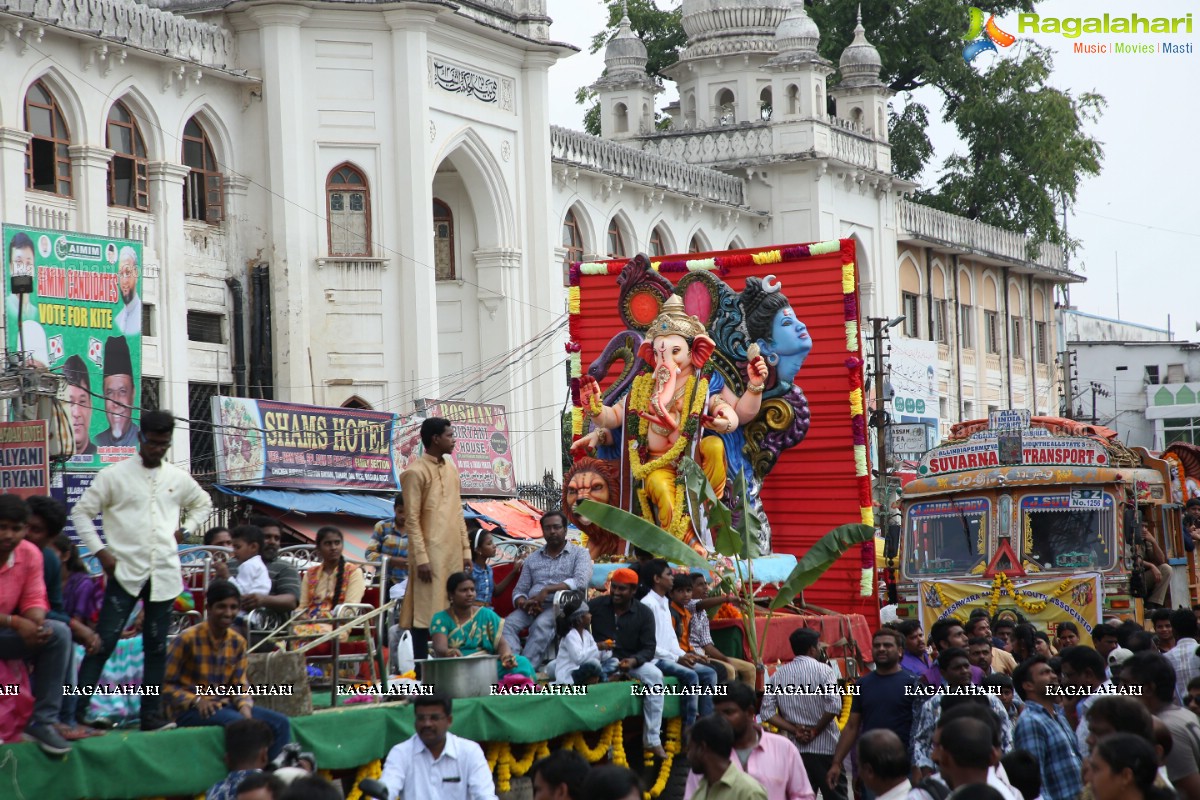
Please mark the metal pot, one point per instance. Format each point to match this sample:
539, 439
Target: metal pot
469, 676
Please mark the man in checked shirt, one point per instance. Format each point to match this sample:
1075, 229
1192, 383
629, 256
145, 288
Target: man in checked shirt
801, 699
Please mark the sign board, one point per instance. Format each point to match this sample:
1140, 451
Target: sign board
910, 438
1087, 498
67, 488
24, 462
913, 376
267, 443
1038, 447
1009, 419
1076, 598
482, 449
83, 320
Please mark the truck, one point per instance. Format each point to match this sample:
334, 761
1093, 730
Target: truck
1039, 518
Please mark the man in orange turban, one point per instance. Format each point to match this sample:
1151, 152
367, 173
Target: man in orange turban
630, 647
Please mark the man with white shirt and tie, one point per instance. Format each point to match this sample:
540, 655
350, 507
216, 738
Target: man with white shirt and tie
147, 505
435, 764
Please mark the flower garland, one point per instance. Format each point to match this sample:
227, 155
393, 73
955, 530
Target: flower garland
506, 766
674, 731
844, 716
1002, 583
372, 770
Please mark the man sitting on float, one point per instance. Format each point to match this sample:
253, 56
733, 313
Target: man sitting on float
674, 404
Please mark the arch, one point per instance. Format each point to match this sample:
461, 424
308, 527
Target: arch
586, 229
443, 242
354, 401
1015, 299
572, 237
689, 108
619, 240
910, 275
47, 155
348, 211
736, 243
203, 189
64, 92
620, 118
490, 198
765, 106
856, 116
725, 106
966, 288
148, 122
1039, 305
128, 180
698, 243
991, 292
218, 135
938, 284
793, 99
880, 124
819, 107
660, 242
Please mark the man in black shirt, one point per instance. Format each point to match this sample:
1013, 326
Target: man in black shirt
624, 631
885, 699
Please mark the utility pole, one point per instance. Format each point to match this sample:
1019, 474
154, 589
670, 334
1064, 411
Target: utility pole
1097, 389
879, 418
1066, 360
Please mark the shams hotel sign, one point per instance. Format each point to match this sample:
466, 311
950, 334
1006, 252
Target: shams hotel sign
1117, 34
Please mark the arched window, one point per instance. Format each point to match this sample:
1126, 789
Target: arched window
856, 116
657, 246
47, 161
348, 209
696, 245
203, 192
616, 242
572, 242
128, 186
620, 118
764, 103
793, 99
357, 402
725, 107
443, 241
689, 109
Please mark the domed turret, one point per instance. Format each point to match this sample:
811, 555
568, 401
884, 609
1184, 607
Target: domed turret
625, 53
797, 35
860, 63
726, 27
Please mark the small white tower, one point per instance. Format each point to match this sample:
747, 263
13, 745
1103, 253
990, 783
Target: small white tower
861, 96
800, 73
625, 91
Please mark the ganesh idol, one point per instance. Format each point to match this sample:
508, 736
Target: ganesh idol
674, 405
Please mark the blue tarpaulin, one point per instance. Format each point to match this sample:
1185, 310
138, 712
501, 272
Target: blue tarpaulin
358, 504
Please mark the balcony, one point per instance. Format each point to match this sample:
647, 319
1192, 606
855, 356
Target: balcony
204, 249
49, 211
124, 223
342, 274
956, 234
661, 170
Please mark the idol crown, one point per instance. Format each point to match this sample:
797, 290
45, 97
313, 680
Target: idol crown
674, 320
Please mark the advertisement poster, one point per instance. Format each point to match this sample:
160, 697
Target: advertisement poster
1045, 603
24, 466
266, 443
913, 365
482, 450
67, 488
83, 319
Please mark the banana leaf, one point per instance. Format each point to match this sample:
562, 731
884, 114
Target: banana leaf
720, 521
749, 526
641, 533
820, 557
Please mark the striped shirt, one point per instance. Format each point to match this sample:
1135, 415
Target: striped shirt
1186, 664
700, 636
572, 566
199, 660
1048, 738
390, 542
805, 673
931, 711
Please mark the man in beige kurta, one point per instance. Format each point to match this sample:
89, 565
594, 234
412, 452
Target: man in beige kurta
437, 533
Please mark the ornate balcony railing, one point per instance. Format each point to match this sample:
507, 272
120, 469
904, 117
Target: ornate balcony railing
952, 230
647, 168
126, 224
130, 24
712, 145
49, 211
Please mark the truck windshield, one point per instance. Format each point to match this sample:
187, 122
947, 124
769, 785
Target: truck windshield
1059, 534
943, 538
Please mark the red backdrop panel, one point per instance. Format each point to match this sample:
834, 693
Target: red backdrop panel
813, 487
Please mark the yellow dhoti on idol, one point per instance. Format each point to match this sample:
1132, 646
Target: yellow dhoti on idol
660, 485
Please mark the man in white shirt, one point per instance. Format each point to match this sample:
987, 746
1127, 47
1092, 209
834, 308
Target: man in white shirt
435, 764
669, 656
884, 766
142, 499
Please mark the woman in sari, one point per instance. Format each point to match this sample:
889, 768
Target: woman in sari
464, 629
329, 584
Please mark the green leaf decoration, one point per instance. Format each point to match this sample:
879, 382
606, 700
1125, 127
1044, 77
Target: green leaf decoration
641, 533
820, 557
720, 521
750, 526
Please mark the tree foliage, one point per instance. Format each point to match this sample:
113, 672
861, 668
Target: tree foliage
1026, 144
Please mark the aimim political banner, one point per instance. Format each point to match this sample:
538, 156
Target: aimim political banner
83, 319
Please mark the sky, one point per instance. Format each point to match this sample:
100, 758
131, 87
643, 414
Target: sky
1138, 220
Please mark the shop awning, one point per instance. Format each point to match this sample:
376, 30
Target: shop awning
518, 518
356, 531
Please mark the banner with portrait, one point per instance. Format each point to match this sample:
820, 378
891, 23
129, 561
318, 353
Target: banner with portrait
83, 320
1045, 603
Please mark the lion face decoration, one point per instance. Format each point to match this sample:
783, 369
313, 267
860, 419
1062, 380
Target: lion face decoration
592, 479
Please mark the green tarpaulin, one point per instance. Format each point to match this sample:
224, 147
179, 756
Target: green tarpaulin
188, 761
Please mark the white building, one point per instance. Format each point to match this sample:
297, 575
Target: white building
388, 170
754, 156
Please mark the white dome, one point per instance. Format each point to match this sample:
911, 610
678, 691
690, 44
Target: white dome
860, 63
731, 26
797, 34
625, 52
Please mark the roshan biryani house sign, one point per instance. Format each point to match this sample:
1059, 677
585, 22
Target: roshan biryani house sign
1037, 448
